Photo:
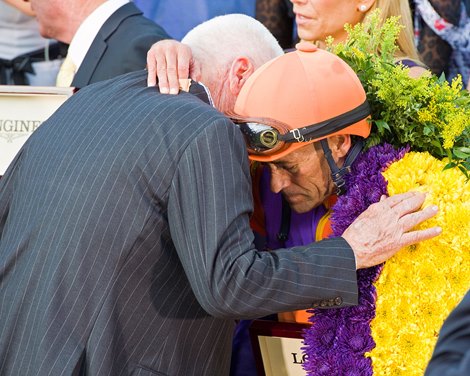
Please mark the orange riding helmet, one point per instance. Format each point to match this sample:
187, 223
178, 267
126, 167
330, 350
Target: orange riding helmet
299, 98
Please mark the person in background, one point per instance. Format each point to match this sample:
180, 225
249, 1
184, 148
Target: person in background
131, 251
318, 19
177, 17
107, 38
25, 57
278, 17
451, 356
442, 30
23, 5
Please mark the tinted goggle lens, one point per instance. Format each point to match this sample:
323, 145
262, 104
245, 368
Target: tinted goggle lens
260, 138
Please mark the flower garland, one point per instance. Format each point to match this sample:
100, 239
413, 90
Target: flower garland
419, 287
402, 304
338, 339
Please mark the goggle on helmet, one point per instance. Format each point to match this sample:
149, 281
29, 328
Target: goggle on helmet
299, 98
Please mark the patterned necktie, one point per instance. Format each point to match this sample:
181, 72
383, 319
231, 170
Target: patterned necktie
66, 73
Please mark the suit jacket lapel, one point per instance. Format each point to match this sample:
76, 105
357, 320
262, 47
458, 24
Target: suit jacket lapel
99, 45
199, 90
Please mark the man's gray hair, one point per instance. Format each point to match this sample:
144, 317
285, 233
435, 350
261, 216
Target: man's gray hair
221, 39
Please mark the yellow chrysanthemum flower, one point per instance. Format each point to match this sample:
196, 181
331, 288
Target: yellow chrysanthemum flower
420, 285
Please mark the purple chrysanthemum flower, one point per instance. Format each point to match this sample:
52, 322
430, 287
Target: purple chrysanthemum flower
355, 340
336, 342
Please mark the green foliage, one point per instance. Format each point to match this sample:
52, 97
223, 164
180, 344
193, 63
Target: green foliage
427, 113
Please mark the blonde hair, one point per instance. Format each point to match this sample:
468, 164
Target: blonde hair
402, 9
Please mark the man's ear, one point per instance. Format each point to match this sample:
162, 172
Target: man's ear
241, 69
339, 145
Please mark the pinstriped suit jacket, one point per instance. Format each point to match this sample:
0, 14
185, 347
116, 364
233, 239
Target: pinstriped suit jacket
125, 246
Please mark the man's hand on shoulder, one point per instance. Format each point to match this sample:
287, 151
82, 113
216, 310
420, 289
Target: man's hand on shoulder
169, 61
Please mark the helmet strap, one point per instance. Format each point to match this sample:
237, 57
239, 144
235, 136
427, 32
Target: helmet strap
284, 227
337, 173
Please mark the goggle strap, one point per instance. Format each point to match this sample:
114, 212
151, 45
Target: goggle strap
327, 127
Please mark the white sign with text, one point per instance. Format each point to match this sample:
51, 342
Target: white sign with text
22, 110
282, 356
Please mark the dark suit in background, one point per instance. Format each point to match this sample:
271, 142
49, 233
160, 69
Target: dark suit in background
451, 356
125, 246
120, 47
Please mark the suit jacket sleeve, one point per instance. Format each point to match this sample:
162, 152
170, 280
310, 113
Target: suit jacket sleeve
451, 355
208, 212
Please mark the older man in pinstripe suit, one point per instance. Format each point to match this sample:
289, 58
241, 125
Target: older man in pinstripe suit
125, 247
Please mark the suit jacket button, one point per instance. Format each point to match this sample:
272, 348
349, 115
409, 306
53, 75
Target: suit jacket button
338, 300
